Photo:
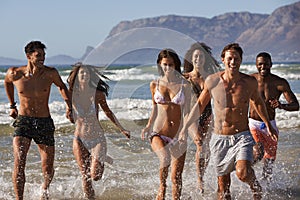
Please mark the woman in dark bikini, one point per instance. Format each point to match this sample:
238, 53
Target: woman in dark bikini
88, 91
198, 64
170, 105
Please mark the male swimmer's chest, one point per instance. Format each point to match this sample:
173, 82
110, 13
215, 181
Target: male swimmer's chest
34, 86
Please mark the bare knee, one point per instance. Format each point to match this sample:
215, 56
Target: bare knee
97, 170
244, 173
258, 152
176, 177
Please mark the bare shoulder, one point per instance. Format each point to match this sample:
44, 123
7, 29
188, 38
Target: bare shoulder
213, 79
278, 79
247, 77
50, 69
153, 84
14, 73
255, 75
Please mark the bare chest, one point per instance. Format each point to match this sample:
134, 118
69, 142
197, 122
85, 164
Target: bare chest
33, 86
232, 96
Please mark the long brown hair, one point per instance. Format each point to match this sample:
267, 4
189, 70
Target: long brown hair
95, 78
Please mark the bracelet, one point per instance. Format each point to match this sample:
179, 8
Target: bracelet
13, 106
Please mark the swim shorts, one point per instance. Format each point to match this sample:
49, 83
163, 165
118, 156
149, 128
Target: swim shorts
40, 129
226, 150
260, 134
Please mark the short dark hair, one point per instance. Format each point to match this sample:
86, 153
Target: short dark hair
264, 55
168, 53
33, 45
232, 46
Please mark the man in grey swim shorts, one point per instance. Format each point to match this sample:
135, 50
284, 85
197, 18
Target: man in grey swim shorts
231, 143
228, 149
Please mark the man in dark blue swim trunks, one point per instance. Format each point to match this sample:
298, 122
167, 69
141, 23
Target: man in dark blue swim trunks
33, 121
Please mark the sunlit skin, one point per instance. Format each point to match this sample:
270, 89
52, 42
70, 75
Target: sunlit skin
166, 120
232, 92
270, 87
197, 132
90, 160
33, 83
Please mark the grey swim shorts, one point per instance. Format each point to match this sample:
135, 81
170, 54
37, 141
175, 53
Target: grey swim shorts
226, 150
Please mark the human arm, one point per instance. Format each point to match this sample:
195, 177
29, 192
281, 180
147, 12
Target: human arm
64, 93
292, 102
260, 107
9, 88
197, 109
101, 100
153, 115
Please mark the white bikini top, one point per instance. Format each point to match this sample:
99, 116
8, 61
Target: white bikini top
177, 99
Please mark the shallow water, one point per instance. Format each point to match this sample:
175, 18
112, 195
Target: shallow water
134, 173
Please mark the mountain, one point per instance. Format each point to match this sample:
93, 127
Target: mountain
61, 59
278, 33
54, 60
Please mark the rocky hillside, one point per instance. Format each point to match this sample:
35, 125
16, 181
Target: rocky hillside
278, 33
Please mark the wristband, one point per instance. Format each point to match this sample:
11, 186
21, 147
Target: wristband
13, 106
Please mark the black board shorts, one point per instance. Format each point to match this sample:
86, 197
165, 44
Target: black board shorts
40, 129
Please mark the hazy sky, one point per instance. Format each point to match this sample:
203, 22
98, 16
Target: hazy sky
69, 26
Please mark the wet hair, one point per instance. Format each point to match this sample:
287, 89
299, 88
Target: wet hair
95, 78
34, 45
210, 65
168, 53
232, 46
264, 55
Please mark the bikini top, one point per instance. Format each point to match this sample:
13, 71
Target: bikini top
83, 113
177, 99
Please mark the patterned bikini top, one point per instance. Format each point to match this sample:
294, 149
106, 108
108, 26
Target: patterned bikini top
177, 99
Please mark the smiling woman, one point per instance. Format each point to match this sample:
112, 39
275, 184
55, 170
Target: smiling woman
170, 106
135, 164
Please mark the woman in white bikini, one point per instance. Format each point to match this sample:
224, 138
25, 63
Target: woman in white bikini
88, 91
171, 103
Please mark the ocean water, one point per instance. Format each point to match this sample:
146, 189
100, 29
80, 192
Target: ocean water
134, 173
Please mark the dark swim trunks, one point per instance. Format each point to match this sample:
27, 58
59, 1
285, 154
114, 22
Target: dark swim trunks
40, 129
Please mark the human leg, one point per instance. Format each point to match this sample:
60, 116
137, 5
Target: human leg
224, 187
268, 168
162, 152
83, 159
177, 165
245, 173
98, 156
47, 160
20, 147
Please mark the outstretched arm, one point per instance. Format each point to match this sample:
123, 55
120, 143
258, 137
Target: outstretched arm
64, 93
108, 112
196, 111
261, 109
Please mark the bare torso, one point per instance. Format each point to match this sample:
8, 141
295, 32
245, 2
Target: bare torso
33, 91
86, 114
231, 103
270, 88
169, 115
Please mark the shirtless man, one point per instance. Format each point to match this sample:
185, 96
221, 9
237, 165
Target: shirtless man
270, 87
33, 121
232, 143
